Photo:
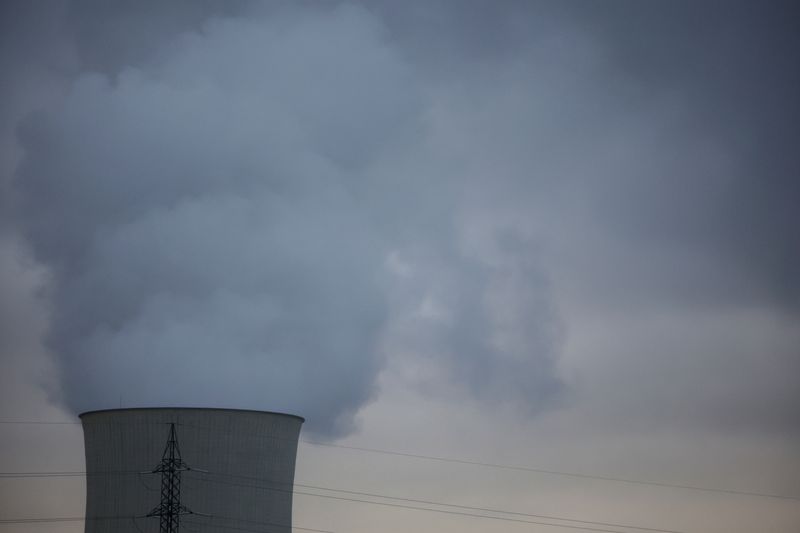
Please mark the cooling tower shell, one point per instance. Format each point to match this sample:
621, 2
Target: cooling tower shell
241, 468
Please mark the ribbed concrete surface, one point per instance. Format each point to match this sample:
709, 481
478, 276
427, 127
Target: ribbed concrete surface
249, 457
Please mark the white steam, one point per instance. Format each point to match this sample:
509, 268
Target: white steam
218, 220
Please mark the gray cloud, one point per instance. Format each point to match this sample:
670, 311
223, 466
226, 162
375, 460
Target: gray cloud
255, 205
725, 188
218, 219
205, 245
675, 122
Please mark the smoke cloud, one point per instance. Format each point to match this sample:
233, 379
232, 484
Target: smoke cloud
220, 219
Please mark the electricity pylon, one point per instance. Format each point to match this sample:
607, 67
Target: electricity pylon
171, 466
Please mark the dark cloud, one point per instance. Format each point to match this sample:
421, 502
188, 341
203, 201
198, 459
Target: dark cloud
731, 69
109, 36
694, 102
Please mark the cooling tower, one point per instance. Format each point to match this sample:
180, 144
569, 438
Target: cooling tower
232, 470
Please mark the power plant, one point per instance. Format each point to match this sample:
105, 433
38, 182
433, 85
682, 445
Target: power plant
155, 470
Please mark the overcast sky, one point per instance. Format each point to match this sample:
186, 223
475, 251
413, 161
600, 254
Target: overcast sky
554, 234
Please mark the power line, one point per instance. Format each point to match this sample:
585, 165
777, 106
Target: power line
555, 472
9, 521
486, 509
509, 467
443, 511
17, 521
356, 500
359, 493
212, 518
444, 504
231, 528
39, 423
74, 473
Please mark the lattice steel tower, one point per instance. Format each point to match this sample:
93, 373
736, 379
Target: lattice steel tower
171, 466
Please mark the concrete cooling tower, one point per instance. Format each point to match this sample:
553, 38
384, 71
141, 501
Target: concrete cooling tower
200, 470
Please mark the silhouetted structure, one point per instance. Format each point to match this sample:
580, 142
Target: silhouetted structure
170, 509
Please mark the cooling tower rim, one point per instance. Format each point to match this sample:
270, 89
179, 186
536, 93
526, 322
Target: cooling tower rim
123, 409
